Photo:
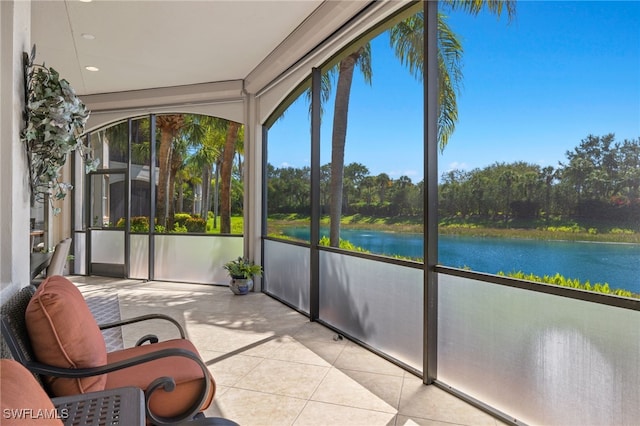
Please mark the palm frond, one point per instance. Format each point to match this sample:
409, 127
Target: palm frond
326, 85
364, 63
406, 38
474, 7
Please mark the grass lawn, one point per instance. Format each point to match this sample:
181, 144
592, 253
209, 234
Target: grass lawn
237, 225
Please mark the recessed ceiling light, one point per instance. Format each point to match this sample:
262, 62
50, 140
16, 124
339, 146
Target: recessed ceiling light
88, 36
86, 1
90, 68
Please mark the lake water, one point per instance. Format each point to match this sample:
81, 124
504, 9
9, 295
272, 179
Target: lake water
616, 264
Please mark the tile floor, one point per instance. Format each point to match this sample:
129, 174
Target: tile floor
275, 367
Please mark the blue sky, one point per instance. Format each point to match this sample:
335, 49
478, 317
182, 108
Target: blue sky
532, 89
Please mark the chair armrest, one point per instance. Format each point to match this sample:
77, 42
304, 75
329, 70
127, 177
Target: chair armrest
165, 383
151, 338
144, 318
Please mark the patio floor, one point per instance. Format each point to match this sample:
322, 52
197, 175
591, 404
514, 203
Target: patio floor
275, 367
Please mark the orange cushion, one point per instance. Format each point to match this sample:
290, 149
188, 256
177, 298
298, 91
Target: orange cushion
64, 333
186, 373
22, 400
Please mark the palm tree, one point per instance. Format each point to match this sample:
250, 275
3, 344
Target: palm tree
178, 153
225, 176
383, 181
407, 38
362, 58
507, 177
199, 131
190, 183
547, 175
169, 127
368, 182
208, 135
449, 55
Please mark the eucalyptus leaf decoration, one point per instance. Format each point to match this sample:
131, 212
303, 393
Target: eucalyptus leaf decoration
55, 119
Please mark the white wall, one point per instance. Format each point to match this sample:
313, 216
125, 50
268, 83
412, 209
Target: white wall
15, 25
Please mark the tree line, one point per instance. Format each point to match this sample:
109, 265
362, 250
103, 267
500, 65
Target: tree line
600, 179
289, 191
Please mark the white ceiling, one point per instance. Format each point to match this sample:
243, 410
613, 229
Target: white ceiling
145, 44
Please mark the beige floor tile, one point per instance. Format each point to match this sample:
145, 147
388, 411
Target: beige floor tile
249, 408
286, 325
265, 347
430, 402
256, 346
323, 414
355, 357
233, 340
315, 331
328, 351
310, 352
363, 390
387, 388
284, 378
226, 370
417, 421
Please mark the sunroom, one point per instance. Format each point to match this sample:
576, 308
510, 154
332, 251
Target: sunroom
270, 76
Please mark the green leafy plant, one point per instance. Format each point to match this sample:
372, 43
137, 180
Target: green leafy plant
181, 218
562, 281
179, 229
243, 268
138, 223
55, 119
196, 224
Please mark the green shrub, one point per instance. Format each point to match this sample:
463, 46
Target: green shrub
179, 229
562, 281
140, 224
622, 231
181, 218
344, 244
195, 224
575, 228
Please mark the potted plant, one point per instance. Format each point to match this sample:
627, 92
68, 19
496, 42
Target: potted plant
242, 271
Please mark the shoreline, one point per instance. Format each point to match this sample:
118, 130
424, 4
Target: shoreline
544, 235
467, 230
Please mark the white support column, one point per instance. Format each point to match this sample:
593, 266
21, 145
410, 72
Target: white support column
253, 185
60, 225
15, 28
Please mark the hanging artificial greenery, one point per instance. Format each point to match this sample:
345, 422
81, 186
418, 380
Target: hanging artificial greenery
55, 119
